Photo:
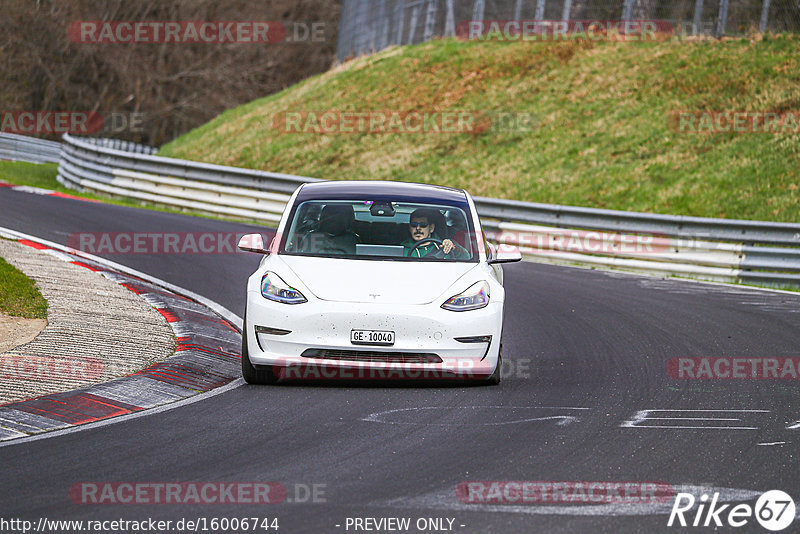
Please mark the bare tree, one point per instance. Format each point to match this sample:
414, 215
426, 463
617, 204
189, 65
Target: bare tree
177, 86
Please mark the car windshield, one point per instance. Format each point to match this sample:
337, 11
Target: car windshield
380, 229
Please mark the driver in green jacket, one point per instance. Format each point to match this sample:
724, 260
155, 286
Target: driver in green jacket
420, 227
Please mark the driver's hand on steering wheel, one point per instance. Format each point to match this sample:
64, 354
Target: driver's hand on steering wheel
447, 246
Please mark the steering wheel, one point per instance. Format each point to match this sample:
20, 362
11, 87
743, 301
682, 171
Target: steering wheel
437, 254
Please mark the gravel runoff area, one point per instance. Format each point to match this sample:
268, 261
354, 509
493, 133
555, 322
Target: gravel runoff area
96, 329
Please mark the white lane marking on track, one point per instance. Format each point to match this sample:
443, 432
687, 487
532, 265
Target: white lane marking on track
59, 255
34, 190
563, 420
771, 443
644, 416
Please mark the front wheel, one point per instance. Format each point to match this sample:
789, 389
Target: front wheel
494, 378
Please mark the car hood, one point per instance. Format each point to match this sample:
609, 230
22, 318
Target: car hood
400, 282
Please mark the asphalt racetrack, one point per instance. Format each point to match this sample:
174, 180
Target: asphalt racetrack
585, 397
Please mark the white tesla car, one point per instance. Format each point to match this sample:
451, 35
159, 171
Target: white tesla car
375, 280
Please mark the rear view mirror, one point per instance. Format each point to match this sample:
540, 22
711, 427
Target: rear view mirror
381, 209
252, 243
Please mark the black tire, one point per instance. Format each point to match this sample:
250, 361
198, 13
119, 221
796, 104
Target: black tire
494, 378
250, 374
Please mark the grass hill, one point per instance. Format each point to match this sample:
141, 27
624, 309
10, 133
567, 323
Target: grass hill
604, 133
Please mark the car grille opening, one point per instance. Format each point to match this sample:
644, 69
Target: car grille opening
371, 356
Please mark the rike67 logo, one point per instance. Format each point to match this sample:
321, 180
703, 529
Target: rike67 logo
774, 510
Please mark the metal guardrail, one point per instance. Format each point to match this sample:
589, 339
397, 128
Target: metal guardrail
82, 159
23, 148
712, 249
119, 144
743, 231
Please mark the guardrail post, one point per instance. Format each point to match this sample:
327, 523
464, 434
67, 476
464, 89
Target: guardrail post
722, 19
450, 20
412, 30
698, 16
362, 26
762, 27
387, 26
383, 20
539, 10
400, 16
430, 20
344, 31
565, 13
627, 10
373, 32
478, 11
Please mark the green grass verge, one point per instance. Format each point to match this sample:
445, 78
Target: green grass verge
19, 296
602, 135
33, 174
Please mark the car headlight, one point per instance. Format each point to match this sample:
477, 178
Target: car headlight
274, 288
474, 297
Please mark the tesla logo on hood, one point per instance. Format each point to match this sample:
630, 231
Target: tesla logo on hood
374, 296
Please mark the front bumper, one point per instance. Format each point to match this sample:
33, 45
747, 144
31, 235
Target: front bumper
325, 325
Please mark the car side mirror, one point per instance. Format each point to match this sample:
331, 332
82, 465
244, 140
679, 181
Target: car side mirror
252, 243
506, 254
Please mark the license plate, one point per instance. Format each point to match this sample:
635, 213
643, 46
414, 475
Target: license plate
371, 337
